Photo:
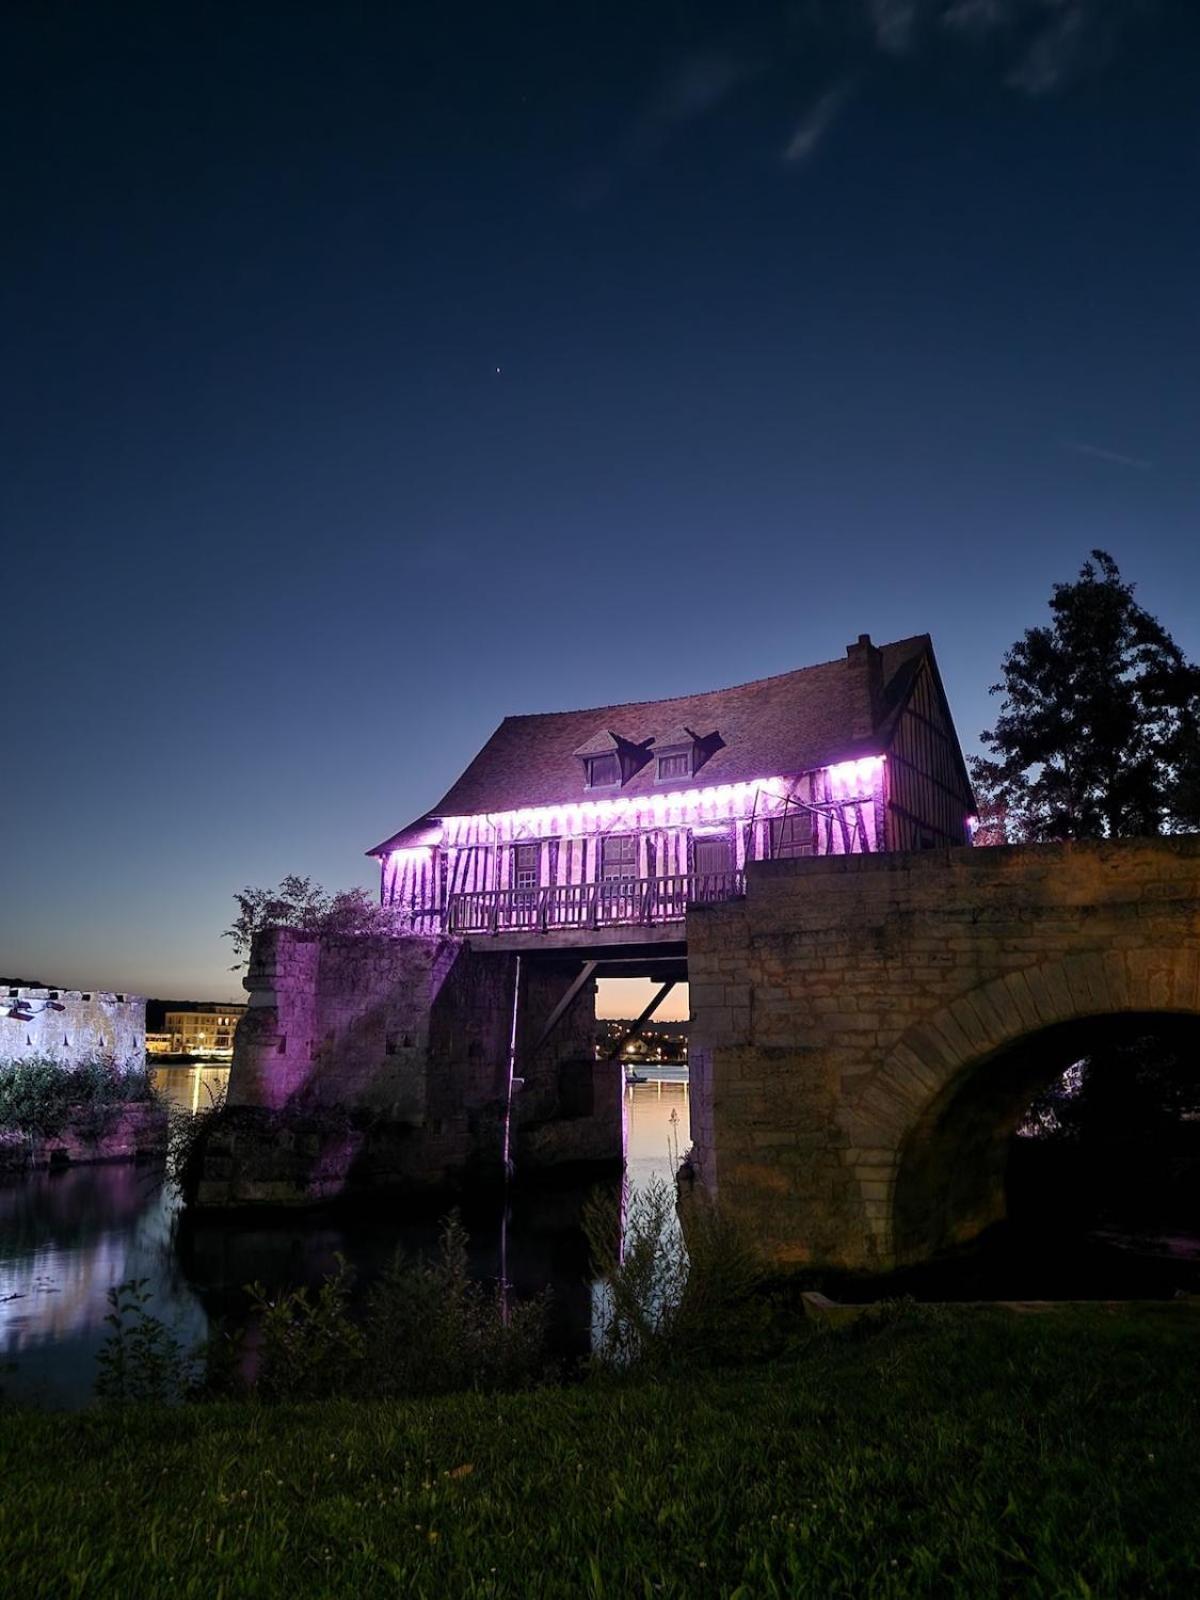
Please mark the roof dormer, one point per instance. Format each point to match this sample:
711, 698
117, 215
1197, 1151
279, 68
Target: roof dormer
609, 760
681, 752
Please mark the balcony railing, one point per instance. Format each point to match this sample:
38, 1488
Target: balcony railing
590, 905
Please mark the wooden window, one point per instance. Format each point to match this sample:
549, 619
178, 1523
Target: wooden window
675, 766
712, 856
526, 866
603, 771
618, 855
791, 835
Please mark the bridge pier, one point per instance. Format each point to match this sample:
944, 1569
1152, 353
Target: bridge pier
369, 1064
867, 1030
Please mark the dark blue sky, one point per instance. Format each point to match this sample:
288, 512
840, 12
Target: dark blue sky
371, 371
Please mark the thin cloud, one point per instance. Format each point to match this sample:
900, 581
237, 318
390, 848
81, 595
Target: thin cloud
977, 18
1115, 456
1034, 48
816, 123
1054, 55
1043, 45
694, 87
699, 84
893, 22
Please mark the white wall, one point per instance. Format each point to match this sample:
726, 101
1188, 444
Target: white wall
92, 1023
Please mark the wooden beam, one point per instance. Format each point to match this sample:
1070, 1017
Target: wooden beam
635, 1031
568, 1000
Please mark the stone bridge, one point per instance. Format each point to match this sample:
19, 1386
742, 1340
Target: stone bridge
867, 1031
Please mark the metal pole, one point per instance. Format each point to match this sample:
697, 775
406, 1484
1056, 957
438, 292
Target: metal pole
508, 1166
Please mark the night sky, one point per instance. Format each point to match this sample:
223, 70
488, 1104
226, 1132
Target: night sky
372, 371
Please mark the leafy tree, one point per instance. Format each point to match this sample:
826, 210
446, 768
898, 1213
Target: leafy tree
301, 903
1131, 1090
1099, 731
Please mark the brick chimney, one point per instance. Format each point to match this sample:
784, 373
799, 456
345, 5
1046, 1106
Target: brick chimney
864, 663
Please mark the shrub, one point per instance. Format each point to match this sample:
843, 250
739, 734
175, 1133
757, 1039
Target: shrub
309, 1346
304, 905
431, 1328
668, 1300
141, 1361
427, 1328
40, 1097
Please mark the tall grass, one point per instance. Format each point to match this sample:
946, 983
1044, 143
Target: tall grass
426, 1327
986, 1454
675, 1297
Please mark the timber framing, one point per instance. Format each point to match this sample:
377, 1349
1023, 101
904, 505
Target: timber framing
521, 853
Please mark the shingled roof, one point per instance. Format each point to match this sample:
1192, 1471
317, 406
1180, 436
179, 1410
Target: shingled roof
770, 728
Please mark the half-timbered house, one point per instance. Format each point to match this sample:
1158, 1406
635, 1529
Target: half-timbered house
622, 816
577, 846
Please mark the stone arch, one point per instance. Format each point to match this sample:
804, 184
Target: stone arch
930, 1129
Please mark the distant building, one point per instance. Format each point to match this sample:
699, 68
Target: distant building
203, 1032
159, 1044
71, 1025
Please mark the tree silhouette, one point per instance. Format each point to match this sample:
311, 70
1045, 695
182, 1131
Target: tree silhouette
1099, 731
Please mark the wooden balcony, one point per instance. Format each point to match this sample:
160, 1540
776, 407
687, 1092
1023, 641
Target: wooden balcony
614, 903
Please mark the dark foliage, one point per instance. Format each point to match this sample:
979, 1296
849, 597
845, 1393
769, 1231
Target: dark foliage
1099, 731
675, 1298
40, 1097
302, 904
141, 1361
975, 1454
425, 1328
428, 1328
1131, 1092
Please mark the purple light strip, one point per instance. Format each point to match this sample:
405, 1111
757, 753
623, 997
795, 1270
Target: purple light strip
849, 781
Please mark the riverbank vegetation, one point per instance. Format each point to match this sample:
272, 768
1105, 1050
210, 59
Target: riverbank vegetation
918, 1451
41, 1097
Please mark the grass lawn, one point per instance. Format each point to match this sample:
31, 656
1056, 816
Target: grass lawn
972, 1452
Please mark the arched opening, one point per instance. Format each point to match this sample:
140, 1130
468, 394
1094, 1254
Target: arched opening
1009, 1141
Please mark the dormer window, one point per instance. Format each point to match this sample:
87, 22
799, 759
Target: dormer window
603, 772
677, 764
680, 752
610, 760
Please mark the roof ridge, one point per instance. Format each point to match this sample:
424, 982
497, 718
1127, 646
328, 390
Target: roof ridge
696, 694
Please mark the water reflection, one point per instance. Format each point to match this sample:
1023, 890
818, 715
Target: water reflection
67, 1236
194, 1088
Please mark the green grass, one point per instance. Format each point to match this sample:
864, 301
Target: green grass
972, 1452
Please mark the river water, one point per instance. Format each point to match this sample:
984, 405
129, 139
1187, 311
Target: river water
66, 1237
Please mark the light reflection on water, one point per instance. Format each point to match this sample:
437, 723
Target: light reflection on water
66, 1237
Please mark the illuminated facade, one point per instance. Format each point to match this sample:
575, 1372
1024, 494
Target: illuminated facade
71, 1026
203, 1033
577, 846
623, 816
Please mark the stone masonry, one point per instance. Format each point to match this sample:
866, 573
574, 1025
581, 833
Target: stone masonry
385, 1062
867, 1030
72, 1025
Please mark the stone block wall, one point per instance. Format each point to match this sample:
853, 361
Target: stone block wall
407, 1038
135, 1133
867, 1030
72, 1025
